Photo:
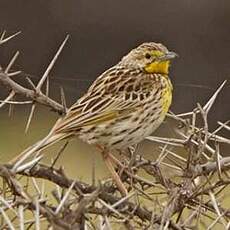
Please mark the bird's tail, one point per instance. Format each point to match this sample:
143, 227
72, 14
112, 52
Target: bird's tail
49, 140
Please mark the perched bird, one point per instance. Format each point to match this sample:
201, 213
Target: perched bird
124, 104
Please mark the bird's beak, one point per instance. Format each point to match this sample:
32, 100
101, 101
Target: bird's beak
169, 55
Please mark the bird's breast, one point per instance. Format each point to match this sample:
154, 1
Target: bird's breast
166, 96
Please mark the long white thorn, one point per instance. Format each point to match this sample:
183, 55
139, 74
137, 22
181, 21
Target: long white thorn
210, 102
45, 75
11, 62
4, 40
30, 118
65, 197
10, 96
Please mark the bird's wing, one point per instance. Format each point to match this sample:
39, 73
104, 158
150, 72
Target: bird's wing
111, 96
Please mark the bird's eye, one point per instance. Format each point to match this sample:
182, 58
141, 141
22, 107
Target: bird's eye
147, 55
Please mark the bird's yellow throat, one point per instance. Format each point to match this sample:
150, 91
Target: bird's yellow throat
161, 67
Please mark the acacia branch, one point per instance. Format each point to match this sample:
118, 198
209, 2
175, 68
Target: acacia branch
103, 192
38, 97
209, 167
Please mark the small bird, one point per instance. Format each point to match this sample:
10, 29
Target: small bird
124, 104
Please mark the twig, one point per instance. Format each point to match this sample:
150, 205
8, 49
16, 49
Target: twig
31, 94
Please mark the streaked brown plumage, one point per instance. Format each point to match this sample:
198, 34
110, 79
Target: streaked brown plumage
124, 104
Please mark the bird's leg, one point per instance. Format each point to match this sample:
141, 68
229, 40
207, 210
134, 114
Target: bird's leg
114, 174
115, 160
109, 155
108, 158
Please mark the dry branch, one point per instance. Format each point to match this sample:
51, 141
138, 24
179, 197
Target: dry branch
38, 97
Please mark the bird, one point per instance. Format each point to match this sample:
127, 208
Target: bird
125, 104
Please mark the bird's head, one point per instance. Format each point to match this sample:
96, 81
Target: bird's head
151, 57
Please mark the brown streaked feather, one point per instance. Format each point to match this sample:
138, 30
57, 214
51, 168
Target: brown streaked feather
111, 98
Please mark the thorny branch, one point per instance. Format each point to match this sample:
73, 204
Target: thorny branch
38, 97
35, 94
197, 183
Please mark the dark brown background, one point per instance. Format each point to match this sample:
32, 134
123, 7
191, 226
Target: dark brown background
103, 31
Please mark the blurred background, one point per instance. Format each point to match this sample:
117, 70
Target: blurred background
101, 32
